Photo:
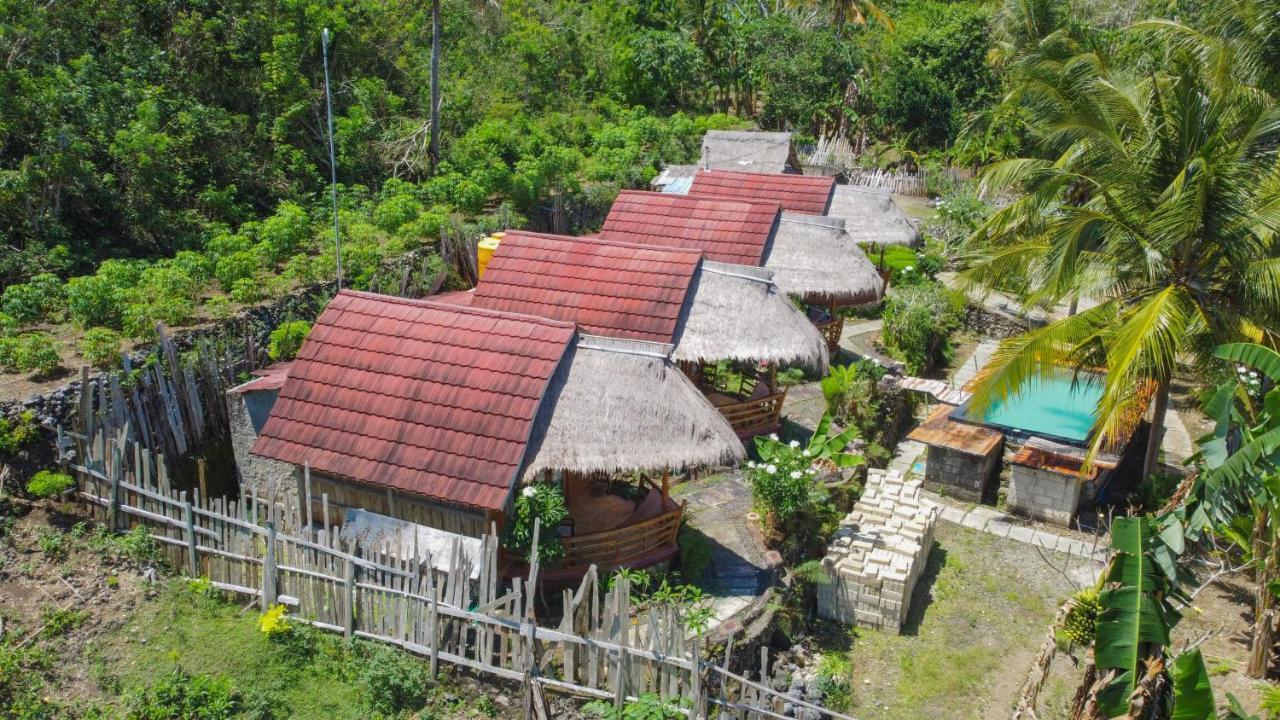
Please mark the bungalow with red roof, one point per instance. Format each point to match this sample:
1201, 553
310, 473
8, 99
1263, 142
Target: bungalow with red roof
811, 257
713, 314
436, 414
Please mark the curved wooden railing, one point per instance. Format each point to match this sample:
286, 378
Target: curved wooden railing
755, 416
831, 330
614, 548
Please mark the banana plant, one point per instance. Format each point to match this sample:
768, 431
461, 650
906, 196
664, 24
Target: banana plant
824, 445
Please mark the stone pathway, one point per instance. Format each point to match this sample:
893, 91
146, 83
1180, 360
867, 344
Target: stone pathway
739, 570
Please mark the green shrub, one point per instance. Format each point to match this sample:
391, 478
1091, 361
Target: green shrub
394, 682
239, 265
8, 324
195, 265
918, 320
32, 352
41, 298
648, 706
284, 233
784, 481
59, 621
140, 317
179, 694
47, 484
94, 300
833, 676
226, 244
167, 282
396, 211
218, 307
101, 347
17, 432
287, 339
246, 291
544, 502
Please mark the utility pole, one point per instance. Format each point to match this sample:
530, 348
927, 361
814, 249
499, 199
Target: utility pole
434, 150
333, 163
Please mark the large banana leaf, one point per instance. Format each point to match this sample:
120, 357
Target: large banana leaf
1259, 357
1192, 693
1134, 618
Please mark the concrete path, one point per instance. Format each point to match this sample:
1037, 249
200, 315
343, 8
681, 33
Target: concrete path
738, 571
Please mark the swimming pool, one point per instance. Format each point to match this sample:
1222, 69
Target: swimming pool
1060, 407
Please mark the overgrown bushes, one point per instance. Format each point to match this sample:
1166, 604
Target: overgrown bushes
857, 397
543, 502
918, 322
286, 340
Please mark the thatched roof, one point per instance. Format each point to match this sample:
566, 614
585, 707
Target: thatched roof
738, 313
813, 257
871, 216
618, 405
748, 150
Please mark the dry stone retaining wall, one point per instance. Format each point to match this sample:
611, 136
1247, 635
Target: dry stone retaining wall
878, 554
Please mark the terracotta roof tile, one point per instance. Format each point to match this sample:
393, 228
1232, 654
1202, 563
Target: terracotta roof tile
798, 193
725, 230
424, 397
607, 288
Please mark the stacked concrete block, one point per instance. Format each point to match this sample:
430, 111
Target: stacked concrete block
878, 553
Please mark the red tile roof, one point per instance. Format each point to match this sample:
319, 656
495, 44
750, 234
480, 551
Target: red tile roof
423, 397
731, 231
271, 377
608, 288
798, 193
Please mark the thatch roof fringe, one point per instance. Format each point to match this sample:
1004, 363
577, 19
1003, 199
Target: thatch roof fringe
871, 216
736, 313
616, 405
814, 258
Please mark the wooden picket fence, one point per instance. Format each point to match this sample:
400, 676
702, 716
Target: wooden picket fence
461, 612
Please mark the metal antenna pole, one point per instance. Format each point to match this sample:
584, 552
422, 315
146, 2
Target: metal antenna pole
333, 164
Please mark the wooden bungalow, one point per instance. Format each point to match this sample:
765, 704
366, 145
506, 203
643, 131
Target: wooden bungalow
435, 414
729, 324
810, 256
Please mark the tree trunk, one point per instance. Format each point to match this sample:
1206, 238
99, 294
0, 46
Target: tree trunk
1149, 462
433, 152
1075, 305
1262, 641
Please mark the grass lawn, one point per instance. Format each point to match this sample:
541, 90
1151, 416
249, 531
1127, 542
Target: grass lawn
977, 618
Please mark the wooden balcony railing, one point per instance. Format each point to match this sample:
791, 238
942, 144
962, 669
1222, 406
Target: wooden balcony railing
831, 330
621, 546
751, 417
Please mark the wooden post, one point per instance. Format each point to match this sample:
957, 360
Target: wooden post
349, 598
202, 480
269, 593
188, 519
695, 682
113, 509
306, 486
666, 487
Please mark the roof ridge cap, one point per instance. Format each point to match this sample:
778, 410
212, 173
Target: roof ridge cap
616, 243
465, 309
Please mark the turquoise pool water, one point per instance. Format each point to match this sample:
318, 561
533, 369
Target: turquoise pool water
1050, 407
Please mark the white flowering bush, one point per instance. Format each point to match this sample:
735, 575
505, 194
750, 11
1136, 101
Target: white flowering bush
785, 480
543, 502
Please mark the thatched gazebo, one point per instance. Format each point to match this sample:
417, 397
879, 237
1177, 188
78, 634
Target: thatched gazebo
730, 326
872, 217
435, 414
811, 257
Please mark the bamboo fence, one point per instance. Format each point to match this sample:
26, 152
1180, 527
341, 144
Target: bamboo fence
465, 614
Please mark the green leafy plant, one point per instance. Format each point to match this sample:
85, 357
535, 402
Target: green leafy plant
274, 623
918, 320
47, 484
648, 706
30, 352
17, 432
543, 502
394, 682
287, 339
179, 694
101, 347
833, 676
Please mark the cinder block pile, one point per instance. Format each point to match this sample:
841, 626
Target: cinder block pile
878, 553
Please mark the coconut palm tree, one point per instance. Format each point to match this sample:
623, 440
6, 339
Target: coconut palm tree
1162, 203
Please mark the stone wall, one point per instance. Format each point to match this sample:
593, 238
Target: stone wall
960, 475
1043, 494
264, 476
878, 553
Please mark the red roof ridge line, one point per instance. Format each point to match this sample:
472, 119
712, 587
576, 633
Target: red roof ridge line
618, 243
465, 309
591, 309
409, 377
559, 323
708, 197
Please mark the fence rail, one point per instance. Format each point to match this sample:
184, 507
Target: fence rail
602, 648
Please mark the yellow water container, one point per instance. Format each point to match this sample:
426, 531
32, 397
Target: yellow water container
485, 251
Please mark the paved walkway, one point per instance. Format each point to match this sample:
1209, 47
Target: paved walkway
738, 570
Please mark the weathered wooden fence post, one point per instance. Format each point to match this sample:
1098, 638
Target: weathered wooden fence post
269, 593
188, 519
113, 509
349, 598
